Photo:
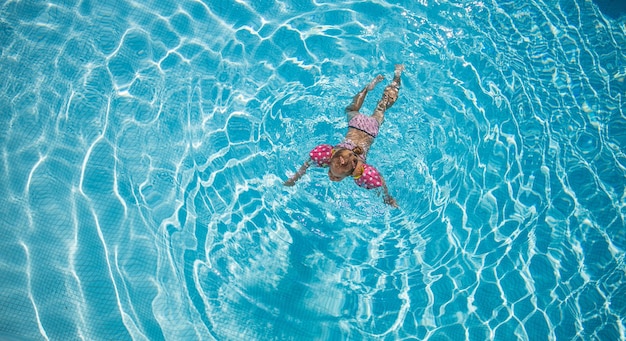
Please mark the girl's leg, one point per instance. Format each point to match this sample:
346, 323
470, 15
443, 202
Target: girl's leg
357, 101
390, 95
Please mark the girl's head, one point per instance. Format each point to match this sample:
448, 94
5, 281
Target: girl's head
343, 163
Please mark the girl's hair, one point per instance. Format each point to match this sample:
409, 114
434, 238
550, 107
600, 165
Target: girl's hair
345, 160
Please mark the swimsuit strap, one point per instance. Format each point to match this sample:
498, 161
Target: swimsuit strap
350, 145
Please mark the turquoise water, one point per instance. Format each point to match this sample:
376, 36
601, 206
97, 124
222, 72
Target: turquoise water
144, 144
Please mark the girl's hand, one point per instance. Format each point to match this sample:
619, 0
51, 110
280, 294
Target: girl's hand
390, 201
298, 175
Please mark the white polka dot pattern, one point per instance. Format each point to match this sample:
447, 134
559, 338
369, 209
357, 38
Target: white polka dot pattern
370, 178
321, 154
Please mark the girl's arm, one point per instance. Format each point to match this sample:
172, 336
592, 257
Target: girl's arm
299, 174
389, 200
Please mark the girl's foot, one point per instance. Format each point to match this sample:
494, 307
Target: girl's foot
396, 78
375, 81
398, 70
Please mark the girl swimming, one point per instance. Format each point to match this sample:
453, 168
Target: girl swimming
348, 158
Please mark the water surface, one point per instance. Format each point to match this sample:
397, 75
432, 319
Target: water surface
144, 145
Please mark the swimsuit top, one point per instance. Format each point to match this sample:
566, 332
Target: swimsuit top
369, 179
348, 144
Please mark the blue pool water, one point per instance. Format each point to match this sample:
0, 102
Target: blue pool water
144, 145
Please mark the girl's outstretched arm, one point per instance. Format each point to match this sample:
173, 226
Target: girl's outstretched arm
299, 174
389, 200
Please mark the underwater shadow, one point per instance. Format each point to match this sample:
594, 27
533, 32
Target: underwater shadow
614, 9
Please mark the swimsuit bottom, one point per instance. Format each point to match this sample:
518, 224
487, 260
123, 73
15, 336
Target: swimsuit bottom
366, 124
